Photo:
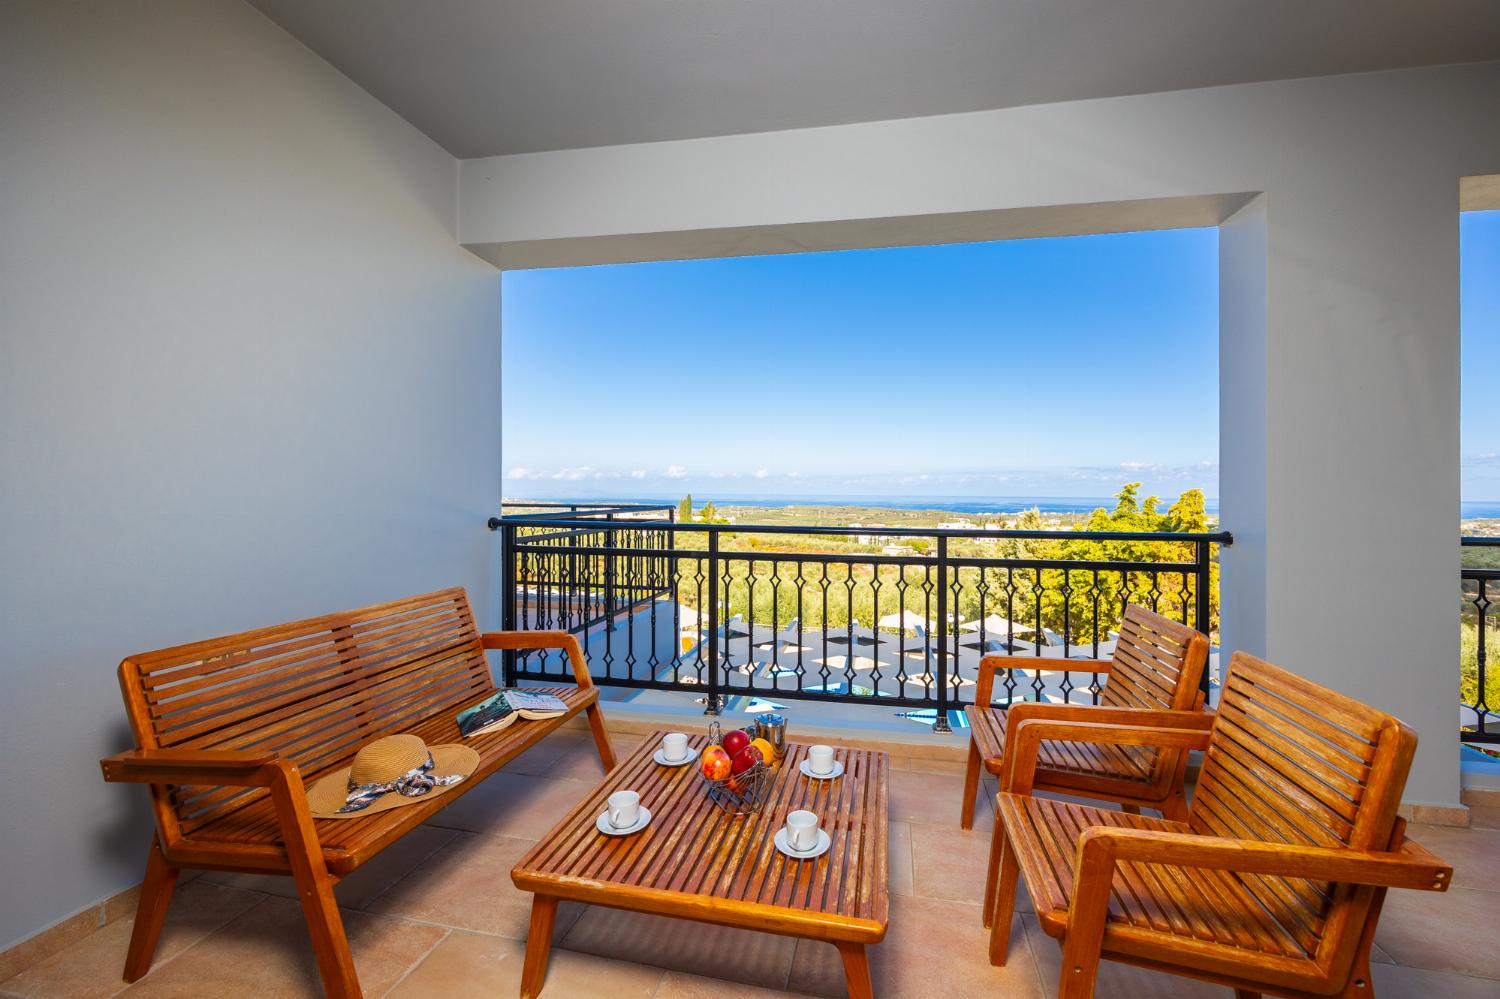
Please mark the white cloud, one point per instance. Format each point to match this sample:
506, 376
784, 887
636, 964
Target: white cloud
676, 472
761, 473
637, 473
519, 472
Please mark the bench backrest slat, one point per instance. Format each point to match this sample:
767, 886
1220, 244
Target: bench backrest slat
1157, 663
1294, 762
313, 690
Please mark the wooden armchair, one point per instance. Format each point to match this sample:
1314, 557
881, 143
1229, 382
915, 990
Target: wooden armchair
1152, 678
1273, 883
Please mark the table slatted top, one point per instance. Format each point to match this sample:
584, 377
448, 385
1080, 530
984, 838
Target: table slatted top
698, 861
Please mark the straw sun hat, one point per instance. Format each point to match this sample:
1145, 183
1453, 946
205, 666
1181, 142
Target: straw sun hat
387, 773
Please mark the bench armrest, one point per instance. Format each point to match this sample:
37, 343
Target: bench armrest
1409, 866
234, 768
514, 640
998, 661
1023, 740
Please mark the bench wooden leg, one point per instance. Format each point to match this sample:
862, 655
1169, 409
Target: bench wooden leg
150, 912
1246, 994
856, 971
971, 787
601, 736
314, 889
992, 871
1002, 910
1131, 809
538, 945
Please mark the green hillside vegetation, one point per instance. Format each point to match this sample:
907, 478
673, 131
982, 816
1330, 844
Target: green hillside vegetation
1083, 602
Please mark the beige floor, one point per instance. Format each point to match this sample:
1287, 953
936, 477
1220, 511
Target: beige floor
436, 915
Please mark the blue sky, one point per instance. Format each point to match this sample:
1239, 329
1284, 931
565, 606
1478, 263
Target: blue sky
1045, 367
1479, 246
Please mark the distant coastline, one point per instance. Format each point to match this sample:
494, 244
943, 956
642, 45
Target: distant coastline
947, 504
1477, 510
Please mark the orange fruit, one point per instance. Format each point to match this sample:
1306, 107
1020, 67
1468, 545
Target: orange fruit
767, 751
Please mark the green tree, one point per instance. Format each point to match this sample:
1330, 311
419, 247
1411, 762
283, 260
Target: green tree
685, 509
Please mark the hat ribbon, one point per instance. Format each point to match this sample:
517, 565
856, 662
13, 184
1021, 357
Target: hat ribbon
412, 784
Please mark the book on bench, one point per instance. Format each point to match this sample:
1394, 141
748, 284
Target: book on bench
502, 710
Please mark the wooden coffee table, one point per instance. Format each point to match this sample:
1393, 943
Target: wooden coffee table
696, 861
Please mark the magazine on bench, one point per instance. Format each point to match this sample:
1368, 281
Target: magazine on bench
502, 710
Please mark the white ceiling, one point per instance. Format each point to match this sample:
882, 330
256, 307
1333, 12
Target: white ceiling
485, 77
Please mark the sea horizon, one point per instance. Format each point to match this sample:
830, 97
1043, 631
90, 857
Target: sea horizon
1468, 510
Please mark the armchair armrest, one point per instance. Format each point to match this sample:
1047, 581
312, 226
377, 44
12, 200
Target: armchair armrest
234, 768
1023, 740
1409, 866
998, 661
513, 640
1148, 717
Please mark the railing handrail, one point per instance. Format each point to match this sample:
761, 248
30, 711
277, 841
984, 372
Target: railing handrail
1479, 541
551, 516
1213, 537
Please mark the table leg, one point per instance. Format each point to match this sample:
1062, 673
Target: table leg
538, 945
856, 971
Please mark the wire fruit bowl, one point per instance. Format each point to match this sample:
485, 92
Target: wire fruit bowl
742, 793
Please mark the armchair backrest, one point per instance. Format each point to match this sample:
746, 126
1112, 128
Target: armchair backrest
314, 690
1294, 762
1157, 663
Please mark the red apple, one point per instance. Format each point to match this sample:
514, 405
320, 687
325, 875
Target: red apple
739, 768
745, 759
715, 763
734, 741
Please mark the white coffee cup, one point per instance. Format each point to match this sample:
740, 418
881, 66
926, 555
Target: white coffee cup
674, 747
624, 809
801, 830
820, 759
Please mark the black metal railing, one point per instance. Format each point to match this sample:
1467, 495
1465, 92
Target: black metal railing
661, 605
1479, 692
594, 583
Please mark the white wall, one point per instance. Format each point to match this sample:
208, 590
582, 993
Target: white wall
1340, 360
246, 375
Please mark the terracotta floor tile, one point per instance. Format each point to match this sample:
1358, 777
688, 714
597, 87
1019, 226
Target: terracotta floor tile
580, 761
466, 885
679, 945
513, 805
265, 953
679, 986
540, 758
1116, 981
933, 798
93, 966
1394, 982
1474, 853
899, 863
932, 948
924, 765
468, 964
1442, 931
367, 882
951, 863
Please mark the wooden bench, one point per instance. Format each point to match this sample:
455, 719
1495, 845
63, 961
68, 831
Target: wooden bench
1156, 669
229, 731
1272, 884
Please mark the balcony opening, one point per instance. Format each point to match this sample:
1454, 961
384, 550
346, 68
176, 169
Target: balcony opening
830, 483
1479, 264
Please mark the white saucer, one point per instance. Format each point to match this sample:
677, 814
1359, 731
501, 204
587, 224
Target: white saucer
837, 771
824, 842
660, 757
640, 823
